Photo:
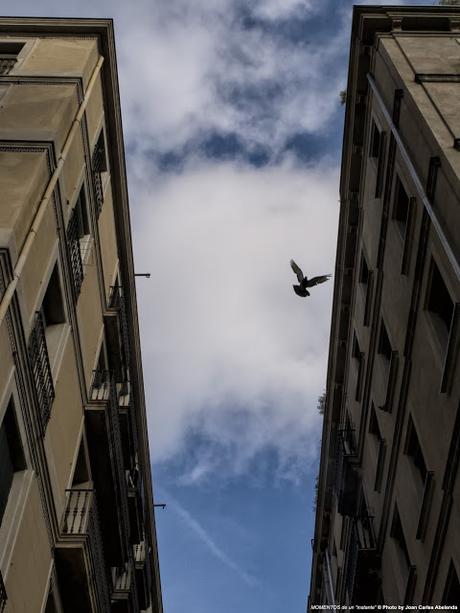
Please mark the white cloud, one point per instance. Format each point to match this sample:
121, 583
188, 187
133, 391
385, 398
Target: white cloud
201, 69
228, 347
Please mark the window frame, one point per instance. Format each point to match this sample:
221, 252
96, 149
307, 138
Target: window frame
22, 479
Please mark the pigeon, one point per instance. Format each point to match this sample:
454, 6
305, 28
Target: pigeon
304, 282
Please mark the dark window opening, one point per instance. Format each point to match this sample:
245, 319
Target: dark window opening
384, 347
439, 303
53, 305
11, 455
81, 213
414, 450
356, 349
397, 534
9, 52
51, 604
452, 589
100, 152
99, 163
374, 150
401, 207
81, 473
374, 428
363, 271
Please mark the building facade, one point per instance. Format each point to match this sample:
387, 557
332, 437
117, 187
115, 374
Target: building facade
77, 528
388, 508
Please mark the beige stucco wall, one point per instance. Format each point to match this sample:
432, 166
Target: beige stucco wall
62, 433
60, 57
38, 112
107, 239
28, 572
23, 180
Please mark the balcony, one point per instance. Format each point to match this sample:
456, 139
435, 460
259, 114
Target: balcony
143, 572
7, 63
347, 479
128, 425
41, 370
362, 572
135, 505
117, 335
107, 462
98, 164
76, 262
79, 554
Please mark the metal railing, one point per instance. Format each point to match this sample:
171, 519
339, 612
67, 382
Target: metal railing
121, 580
41, 369
362, 539
98, 165
104, 390
6, 64
3, 596
81, 521
139, 554
345, 449
117, 301
76, 262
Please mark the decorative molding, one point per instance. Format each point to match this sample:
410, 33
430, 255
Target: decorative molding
437, 77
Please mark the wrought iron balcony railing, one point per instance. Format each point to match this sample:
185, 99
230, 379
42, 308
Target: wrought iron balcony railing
6, 64
98, 165
346, 475
3, 596
121, 581
117, 301
81, 524
76, 262
139, 554
41, 369
104, 390
360, 572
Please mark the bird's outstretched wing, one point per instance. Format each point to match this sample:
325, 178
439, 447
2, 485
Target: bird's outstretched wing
300, 291
297, 271
317, 280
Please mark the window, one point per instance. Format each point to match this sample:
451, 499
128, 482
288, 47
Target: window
401, 207
374, 149
397, 535
11, 455
78, 235
358, 356
452, 590
363, 271
379, 442
53, 312
384, 347
414, 450
9, 52
45, 344
374, 428
439, 304
99, 163
365, 279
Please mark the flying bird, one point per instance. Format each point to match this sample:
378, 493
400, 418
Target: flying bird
304, 282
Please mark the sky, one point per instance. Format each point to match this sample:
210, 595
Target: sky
233, 129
